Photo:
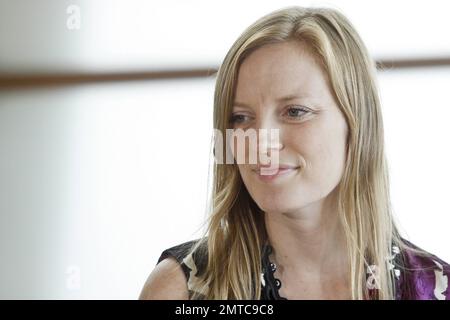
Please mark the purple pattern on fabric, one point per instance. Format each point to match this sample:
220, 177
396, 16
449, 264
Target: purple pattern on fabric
420, 277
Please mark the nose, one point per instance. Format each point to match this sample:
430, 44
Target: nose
269, 146
269, 141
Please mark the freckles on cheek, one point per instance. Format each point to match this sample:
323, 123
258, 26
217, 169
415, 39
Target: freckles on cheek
320, 153
310, 147
329, 159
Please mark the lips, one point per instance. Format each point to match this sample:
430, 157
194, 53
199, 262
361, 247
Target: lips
266, 170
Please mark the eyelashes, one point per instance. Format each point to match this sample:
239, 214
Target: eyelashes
237, 118
295, 110
293, 113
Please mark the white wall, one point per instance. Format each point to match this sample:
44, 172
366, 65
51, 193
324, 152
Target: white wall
416, 107
96, 181
119, 34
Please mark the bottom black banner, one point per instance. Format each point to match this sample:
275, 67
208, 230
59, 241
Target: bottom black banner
292, 309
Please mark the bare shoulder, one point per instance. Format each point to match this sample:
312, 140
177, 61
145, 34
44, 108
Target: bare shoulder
166, 282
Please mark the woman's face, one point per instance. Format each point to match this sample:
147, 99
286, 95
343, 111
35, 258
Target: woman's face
280, 86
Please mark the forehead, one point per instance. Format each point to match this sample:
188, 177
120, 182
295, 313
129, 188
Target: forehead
280, 69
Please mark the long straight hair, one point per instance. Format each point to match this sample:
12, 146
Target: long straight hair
235, 230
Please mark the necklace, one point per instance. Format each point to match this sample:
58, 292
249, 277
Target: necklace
270, 284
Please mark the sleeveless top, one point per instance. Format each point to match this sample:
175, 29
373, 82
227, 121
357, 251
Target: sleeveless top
417, 277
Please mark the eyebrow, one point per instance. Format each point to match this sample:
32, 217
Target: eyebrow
281, 99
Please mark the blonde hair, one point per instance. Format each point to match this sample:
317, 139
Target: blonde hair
235, 230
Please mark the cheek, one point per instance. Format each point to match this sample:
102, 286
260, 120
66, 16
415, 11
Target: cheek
246, 175
325, 156
243, 151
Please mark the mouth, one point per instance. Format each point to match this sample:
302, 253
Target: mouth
265, 173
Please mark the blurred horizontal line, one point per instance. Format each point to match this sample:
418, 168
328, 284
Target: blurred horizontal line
39, 80
384, 64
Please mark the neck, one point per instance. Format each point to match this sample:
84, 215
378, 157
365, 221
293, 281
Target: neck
308, 241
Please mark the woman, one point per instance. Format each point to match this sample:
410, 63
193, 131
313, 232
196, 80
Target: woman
319, 226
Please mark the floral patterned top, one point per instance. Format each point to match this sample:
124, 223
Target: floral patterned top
417, 277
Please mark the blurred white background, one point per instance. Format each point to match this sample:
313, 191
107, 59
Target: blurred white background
97, 179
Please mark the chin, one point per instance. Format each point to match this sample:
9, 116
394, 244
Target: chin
269, 204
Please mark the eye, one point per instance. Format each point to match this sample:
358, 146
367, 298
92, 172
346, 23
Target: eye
238, 118
297, 112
